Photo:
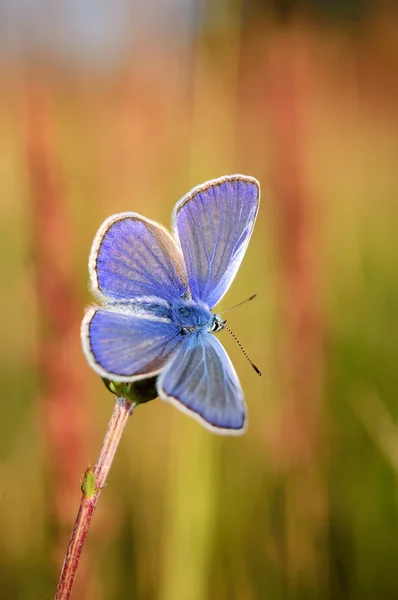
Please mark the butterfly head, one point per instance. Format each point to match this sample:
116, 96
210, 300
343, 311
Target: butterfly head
218, 324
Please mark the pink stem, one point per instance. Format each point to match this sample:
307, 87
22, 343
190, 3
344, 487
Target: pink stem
121, 412
290, 95
64, 397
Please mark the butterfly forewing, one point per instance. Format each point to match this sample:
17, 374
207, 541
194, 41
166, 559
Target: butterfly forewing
134, 257
201, 379
214, 223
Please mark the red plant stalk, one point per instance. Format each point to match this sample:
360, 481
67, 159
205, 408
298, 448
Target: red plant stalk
289, 96
302, 343
63, 388
93, 483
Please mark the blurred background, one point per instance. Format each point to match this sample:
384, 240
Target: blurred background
124, 105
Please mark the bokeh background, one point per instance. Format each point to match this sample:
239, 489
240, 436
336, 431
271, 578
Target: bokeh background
125, 105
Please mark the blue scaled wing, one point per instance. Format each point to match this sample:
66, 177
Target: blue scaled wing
122, 346
201, 380
214, 223
133, 257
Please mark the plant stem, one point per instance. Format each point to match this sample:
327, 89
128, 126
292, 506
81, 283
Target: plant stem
121, 412
64, 399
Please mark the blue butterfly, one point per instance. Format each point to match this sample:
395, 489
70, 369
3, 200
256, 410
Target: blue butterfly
157, 292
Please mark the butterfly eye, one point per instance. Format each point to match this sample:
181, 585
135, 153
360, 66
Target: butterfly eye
185, 330
217, 325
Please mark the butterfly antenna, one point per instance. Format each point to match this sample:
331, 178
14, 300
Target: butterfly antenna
242, 348
239, 304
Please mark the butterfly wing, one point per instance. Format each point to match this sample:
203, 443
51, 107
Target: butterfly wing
133, 257
124, 346
201, 380
214, 223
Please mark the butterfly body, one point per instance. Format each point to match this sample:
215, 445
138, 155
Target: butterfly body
193, 316
157, 294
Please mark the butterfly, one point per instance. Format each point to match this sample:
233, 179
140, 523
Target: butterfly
157, 292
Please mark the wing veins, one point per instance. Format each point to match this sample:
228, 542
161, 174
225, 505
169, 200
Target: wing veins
156, 258
133, 270
204, 240
221, 261
123, 278
211, 261
189, 253
220, 227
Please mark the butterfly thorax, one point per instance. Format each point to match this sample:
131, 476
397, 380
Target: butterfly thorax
194, 316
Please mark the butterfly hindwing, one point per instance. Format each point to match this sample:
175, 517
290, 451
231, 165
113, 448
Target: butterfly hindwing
200, 379
214, 223
122, 346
